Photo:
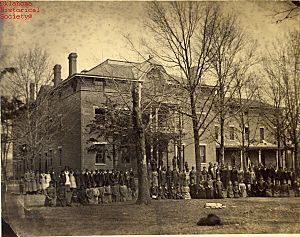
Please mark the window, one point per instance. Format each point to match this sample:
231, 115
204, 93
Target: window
216, 132
202, 153
262, 134
247, 132
231, 133
100, 114
100, 153
98, 84
125, 155
60, 155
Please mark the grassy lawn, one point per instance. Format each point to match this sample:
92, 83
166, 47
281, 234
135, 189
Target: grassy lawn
241, 216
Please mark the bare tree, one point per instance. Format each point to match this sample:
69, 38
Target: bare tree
183, 33
32, 66
134, 109
273, 94
28, 84
246, 111
233, 58
283, 70
10, 109
287, 10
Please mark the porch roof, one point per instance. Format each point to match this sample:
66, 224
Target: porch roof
257, 146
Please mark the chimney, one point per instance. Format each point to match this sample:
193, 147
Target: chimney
72, 63
57, 75
32, 92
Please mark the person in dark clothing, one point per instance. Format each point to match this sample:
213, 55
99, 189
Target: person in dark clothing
132, 183
69, 195
269, 188
264, 173
53, 177
223, 175
296, 187
175, 177
77, 177
193, 176
236, 189
204, 173
280, 175
219, 188
101, 178
271, 173
276, 188
234, 174
168, 178
261, 187
61, 195
81, 195
62, 178
284, 189
50, 193
87, 178
96, 178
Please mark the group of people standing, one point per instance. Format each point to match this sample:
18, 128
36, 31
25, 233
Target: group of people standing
99, 186
35, 182
87, 187
222, 181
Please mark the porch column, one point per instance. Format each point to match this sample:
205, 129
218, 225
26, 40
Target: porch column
151, 130
293, 160
167, 154
242, 166
283, 159
175, 149
277, 160
259, 156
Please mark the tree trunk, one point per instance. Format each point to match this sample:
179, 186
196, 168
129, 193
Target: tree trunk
278, 147
296, 165
196, 136
222, 143
143, 186
222, 122
244, 162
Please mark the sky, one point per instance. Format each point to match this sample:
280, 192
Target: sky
94, 30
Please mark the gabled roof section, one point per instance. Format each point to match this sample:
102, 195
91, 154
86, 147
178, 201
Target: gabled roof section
123, 69
252, 103
114, 69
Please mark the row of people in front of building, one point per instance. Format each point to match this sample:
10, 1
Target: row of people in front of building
34, 183
253, 172
63, 195
165, 183
225, 172
210, 189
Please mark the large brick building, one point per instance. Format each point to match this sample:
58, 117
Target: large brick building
74, 104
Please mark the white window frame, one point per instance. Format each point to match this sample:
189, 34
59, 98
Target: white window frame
264, 137
231, 127
100, 143
205, 151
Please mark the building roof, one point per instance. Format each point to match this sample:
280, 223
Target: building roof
122, 69
114, 69
252, 103
235, 144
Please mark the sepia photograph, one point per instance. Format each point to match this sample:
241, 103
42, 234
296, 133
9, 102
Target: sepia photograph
150, 118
